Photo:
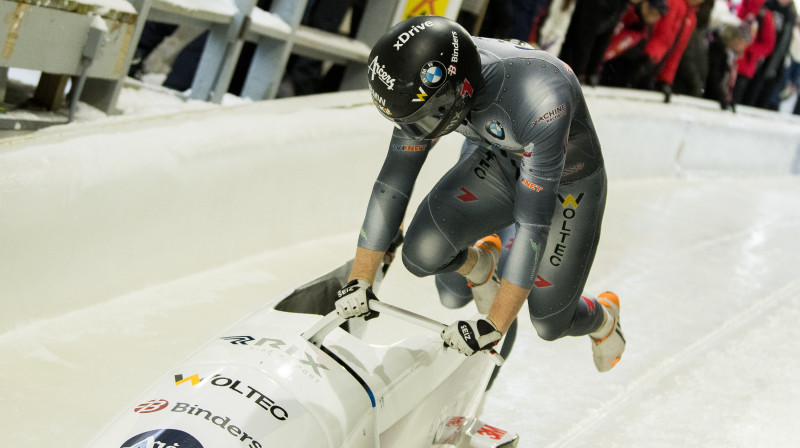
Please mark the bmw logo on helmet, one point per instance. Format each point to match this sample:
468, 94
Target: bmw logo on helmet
433, 74
496, 129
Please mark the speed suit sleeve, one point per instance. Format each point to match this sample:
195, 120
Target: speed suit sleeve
537, 186
392, 188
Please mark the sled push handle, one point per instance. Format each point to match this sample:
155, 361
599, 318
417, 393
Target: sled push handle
320, 330
422, 321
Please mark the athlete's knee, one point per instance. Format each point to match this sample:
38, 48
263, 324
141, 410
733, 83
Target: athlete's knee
548, 329
411, 263
427, 252
426, 259
550, 318
573, 316
453, 290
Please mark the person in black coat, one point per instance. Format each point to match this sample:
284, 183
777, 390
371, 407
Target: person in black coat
761, 92
726, 44
692, 72
589, 33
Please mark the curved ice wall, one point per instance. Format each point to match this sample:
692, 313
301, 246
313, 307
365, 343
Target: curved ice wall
89, 212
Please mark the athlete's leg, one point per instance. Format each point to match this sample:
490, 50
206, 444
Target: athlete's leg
453, 288
472, 200
556, 306
454, 292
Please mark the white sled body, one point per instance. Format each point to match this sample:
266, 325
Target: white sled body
261, 384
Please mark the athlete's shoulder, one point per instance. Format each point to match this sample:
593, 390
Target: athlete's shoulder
503, 46
504, 49
523, 72
518, 62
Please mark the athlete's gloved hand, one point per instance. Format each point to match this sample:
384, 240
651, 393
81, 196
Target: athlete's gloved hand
354, 300
471, 336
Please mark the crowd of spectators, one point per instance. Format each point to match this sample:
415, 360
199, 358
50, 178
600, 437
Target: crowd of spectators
731, 51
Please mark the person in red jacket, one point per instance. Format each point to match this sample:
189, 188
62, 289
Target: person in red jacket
658, 61
763, 27
670, 37
661, 55
623, 54
634, 29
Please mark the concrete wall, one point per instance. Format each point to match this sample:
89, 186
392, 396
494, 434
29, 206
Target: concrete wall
92, 211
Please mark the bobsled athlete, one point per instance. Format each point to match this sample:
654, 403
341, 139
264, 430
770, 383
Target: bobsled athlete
531, 161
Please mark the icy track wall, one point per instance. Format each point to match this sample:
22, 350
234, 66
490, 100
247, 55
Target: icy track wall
92, 211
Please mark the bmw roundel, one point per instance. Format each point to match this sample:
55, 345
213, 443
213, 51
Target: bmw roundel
433, 74
495, 129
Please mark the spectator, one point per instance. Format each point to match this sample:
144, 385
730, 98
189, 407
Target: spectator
496, 22
690, 78
727, 44
764, 87
791, 75
590, 30
153, 33
524, 17
174, 52
760, 20
304, 76
621, 57
554, 28
721, 14
664, 50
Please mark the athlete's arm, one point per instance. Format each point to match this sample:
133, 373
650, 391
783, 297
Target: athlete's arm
536, 195
507, 304
366, 264
388, 202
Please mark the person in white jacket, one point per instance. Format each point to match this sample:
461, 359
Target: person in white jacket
555, 26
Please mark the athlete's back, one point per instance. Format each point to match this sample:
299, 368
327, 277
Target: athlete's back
531, 102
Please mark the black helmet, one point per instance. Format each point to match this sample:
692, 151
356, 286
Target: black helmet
422, 73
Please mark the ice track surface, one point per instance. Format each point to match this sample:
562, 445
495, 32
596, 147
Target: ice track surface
127, 245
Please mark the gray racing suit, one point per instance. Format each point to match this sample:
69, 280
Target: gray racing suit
531, 160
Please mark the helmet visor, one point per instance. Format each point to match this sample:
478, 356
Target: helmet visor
432, 119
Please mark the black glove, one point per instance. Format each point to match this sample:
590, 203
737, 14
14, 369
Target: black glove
354, 300
666, 89
471, 336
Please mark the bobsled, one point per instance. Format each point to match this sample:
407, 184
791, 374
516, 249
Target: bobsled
293, 374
